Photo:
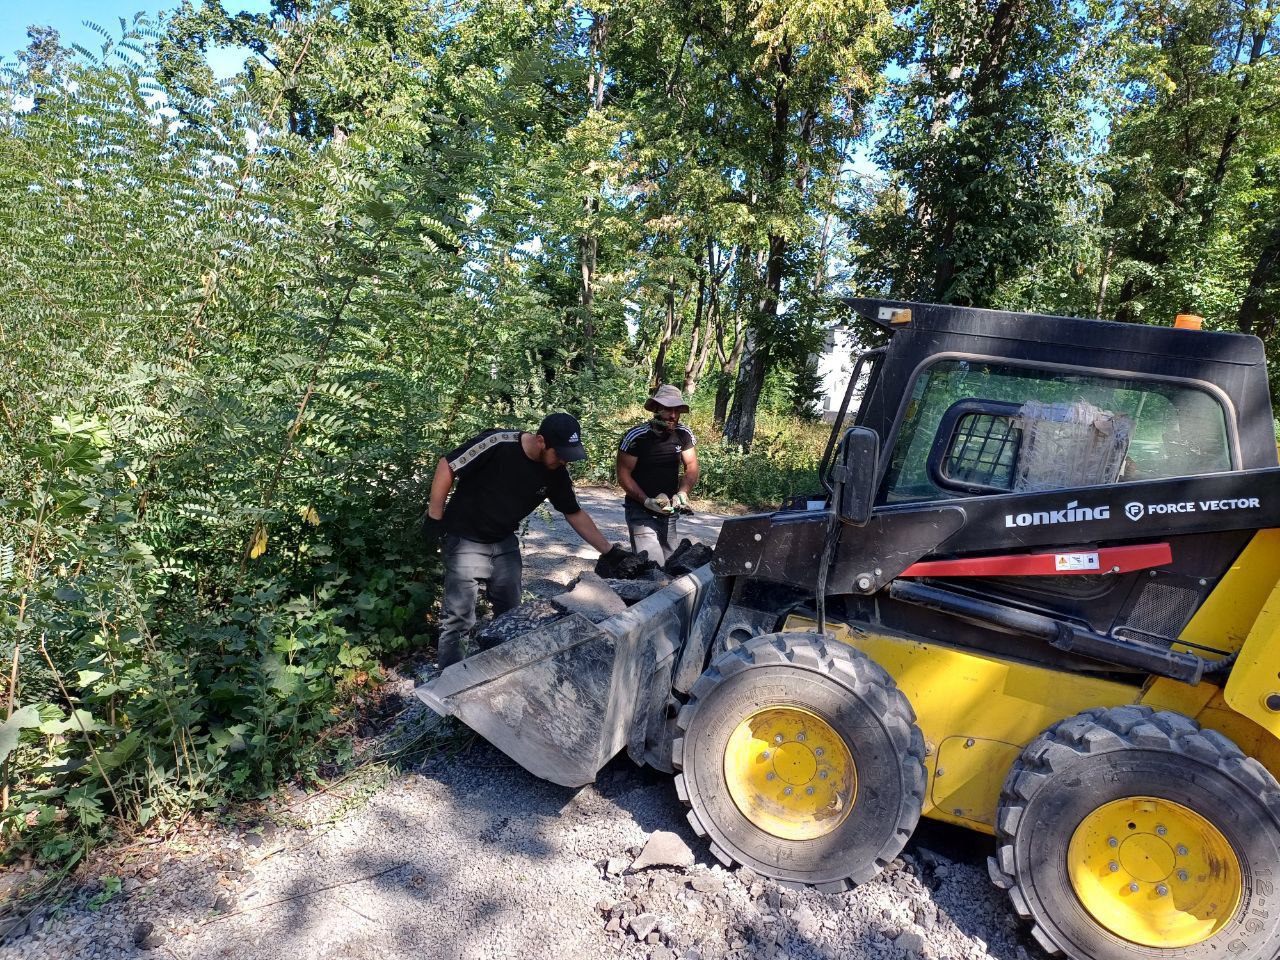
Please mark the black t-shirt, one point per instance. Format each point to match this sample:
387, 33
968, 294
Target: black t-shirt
658, 456
498, 486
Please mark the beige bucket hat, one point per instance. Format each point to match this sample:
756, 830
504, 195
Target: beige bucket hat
667, 396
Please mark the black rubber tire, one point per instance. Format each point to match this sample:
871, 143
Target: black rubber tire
1102, 755
864, 706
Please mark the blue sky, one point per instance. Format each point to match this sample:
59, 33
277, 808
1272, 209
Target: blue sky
68, 17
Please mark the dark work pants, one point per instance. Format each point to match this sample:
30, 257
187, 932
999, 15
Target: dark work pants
467, 564
654, 534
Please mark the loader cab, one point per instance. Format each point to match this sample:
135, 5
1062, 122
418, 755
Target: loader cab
978, 403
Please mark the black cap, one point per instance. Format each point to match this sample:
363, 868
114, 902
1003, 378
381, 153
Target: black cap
562, 432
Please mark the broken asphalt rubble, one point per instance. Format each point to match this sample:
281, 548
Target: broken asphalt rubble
597, 596
687, 557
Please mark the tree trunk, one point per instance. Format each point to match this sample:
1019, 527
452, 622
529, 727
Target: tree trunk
704, 333
699, 352
741, 425
823, 252
588, 244
1266, 272
690, 364
587, 251
724, 390
670, 328
1232, 134
1105, 279
729, 361
1133, 288
699, 312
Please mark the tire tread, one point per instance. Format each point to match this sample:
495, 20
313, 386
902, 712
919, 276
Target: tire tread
1100, 731
853, 670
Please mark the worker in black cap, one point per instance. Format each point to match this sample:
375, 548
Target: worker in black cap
502, 476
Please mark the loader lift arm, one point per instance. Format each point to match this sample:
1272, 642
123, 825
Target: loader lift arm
786, 546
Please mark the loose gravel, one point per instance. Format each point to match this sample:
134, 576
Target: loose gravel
467, 856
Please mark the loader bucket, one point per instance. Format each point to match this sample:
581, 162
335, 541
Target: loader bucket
563, 699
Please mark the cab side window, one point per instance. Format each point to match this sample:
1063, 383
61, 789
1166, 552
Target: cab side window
974, 428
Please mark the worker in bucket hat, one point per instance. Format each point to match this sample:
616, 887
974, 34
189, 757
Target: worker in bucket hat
658, 469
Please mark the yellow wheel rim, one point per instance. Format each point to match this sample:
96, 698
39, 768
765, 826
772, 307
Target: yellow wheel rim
790, 773
1154, 872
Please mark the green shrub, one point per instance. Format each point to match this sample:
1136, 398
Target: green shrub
783, 461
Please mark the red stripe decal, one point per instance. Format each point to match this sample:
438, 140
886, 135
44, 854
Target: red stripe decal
1126, 559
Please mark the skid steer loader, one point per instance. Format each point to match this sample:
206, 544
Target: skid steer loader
1039, 597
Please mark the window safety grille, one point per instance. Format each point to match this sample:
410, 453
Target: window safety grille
983, 451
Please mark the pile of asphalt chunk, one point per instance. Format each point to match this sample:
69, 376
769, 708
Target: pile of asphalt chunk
633, 591
629, 566
687, 557
518, 621
596, 597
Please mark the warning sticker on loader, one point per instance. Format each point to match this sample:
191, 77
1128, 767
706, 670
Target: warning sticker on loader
1066, 562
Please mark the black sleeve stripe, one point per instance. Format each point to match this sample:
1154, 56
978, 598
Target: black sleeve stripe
480, 446
632, 436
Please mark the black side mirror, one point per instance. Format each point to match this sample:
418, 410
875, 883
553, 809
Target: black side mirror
857, 465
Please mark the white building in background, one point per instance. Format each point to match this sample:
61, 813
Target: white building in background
835, 366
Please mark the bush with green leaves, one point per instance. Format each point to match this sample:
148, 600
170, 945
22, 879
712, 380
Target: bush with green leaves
232, 355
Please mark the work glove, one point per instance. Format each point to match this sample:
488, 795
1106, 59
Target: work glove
432, 531
680, 504
660, 504
610, 562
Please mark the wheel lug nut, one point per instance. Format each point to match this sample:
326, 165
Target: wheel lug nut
765, 755
1133, 888
778, 738
809, 791
786, 792
818, 752
1162, 890
1182, 851
769, 775
1183, 875
1112, 842
1113, 867
1160, 830
822, 774
799, 738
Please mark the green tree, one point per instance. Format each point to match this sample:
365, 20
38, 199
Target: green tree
1190, 145
793, 80
987, 129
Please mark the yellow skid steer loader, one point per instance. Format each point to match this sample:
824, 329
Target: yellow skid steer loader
1039, 597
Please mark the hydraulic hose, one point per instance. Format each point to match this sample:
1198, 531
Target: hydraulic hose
1068, 637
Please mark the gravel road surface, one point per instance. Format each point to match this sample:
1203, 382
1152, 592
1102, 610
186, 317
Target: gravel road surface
464, 855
